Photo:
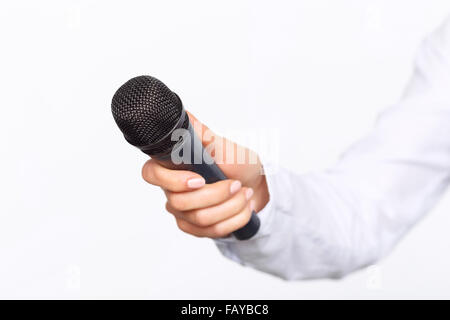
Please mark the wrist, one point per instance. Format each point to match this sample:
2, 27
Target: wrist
261, 195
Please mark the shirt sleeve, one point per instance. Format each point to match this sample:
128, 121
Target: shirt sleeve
328, 224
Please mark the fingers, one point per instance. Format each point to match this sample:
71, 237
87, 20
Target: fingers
213, 210
207, 216
220, 229
208, 195
172, 180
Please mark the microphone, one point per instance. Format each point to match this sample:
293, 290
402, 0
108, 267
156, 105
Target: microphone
148, 112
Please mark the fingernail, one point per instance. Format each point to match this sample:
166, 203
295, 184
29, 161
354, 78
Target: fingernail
248, 193
235, 186
252, 205
196, 183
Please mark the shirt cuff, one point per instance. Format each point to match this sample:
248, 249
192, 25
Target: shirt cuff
265, 215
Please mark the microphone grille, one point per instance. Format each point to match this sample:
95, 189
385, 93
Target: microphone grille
145, 110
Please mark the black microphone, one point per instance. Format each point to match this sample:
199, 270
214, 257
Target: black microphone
148, 112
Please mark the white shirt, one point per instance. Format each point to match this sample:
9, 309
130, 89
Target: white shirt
331, 223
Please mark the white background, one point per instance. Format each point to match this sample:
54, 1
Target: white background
76, 219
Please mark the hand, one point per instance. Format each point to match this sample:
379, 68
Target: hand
218, 209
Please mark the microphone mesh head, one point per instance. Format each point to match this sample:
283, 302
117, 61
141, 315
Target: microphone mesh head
145, 110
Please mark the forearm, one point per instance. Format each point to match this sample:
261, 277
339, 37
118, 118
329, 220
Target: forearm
331, 223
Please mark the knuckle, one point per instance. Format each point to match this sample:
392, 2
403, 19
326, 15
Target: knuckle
169, 208
218, 231
146, 170
176, 201
197, 235
180, 224
201, 218
184, 226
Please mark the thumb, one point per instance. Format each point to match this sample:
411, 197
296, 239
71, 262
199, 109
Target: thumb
200, 129
236, 161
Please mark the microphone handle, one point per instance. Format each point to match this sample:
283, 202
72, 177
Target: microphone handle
208, 169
